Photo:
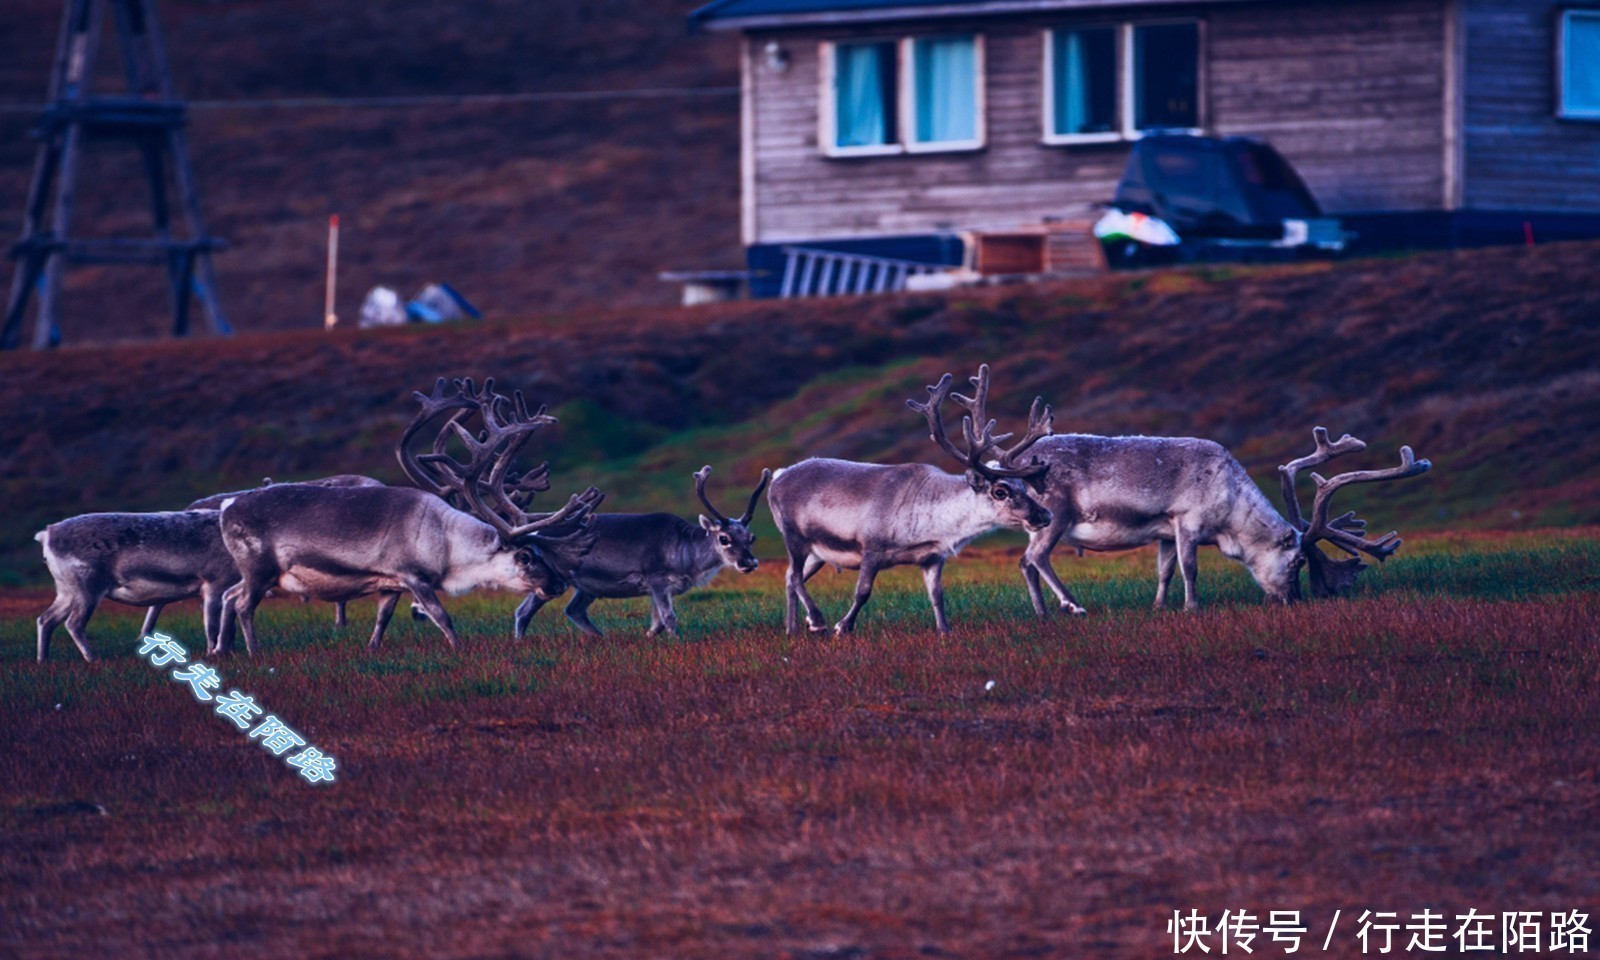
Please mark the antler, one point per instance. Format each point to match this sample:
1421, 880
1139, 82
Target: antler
460, 404
481, 481
704, 473
1325, 451
1346, 531
978, 430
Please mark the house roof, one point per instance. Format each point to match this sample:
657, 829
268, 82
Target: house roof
751, 14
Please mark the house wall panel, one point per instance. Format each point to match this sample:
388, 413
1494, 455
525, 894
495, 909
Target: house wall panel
1351, 92
1510, 115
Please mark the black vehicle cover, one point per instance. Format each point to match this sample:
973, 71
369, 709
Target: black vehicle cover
1214, 186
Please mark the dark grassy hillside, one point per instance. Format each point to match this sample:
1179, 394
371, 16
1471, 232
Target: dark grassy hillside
524, 207
1484, 361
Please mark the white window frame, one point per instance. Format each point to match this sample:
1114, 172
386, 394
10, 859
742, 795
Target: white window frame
1048, 117
1567, 17
905, 103
1126, 114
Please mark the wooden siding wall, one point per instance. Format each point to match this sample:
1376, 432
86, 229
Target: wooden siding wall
1519, 156
1352, 93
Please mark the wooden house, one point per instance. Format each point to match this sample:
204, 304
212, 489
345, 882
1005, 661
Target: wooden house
889, 127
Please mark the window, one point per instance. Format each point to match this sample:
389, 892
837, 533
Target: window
1580, 64
1115, 82
1081, 90
1166, 76
918, 94
945, 92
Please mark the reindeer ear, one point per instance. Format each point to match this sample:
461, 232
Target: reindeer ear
1288, 540
710, 526
977, 481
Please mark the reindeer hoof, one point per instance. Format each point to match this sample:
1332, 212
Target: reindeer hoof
818, 628
1073, 609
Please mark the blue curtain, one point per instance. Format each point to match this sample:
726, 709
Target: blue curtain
861, 119
1071, 83
1582, 64
947, 89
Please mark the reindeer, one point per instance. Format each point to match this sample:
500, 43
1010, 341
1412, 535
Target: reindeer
215, 502
342, 543
868, 517
1117, 493
659, 555
133, 558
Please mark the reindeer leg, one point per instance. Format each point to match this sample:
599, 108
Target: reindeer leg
813, 564
1166, 564
386, 604
423, 595
1186, 549
338, 613
150, 617
210, 615
225, 629
869, 573
250, 592
816, 621
54, 615
578, 612
1036, 564
933, 579
78, 624
666, 618
529, 606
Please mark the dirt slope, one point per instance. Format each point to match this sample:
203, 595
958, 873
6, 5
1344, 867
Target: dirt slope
524, 207
1485, 361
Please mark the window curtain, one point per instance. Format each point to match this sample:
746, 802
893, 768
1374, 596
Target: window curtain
860, 117
1072, 83
946, 89
1581, 63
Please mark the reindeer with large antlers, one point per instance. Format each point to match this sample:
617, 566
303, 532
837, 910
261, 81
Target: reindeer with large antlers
1117, 493
659, 555
869, 517
342, 543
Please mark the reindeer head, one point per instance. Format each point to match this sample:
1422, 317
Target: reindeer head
731, 539
992, 471
1346, 532
537, 551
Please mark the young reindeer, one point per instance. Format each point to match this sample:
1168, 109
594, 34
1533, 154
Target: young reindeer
133, 558
868, 517
659, 555
342, 543
1117, 493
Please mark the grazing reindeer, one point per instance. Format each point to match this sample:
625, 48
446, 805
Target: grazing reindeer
133, 558
343, 543
1117, 493
869, 517
658, 555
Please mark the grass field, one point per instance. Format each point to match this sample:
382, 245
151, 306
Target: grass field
1430, 743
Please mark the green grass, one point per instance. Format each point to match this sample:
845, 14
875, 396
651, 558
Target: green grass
737, 793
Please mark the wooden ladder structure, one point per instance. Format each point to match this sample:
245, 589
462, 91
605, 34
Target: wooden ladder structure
150, 117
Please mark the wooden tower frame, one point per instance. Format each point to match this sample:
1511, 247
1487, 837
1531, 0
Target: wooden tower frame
151, 118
